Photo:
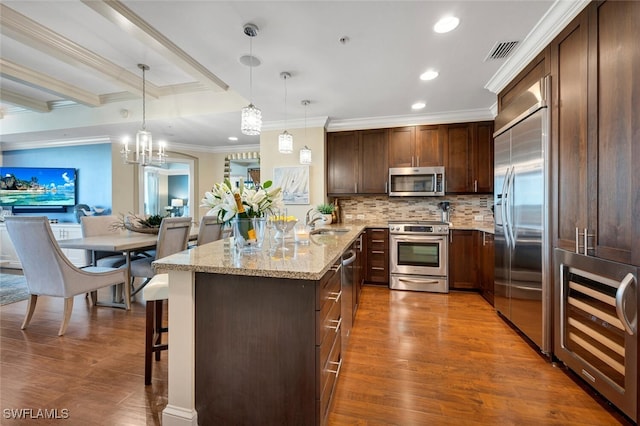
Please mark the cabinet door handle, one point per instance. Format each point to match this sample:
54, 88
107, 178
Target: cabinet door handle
377, 241
335, 296
337, 370
377, 268
475, 185
629, 326
377, 251
337, 325
386, 186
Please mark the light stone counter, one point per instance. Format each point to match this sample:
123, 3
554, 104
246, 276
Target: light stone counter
307, 262
474, 226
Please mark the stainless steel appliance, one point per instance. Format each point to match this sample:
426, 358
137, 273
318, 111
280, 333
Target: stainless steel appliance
348, 295
596, 324
416, 181
419, 256
522, 250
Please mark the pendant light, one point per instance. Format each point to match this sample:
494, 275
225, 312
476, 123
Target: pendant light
144, 142
305, 153
251, 121
285, 140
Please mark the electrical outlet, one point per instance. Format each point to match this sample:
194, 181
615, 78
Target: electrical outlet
360, 217
478, 218
348, 216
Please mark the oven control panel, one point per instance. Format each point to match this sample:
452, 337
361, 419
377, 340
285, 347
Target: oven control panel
419, 228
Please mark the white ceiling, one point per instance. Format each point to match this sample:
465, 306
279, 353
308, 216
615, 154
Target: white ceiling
88, 51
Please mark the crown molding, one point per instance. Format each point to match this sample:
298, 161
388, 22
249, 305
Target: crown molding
410, 120
20, 28
25, 102
12, 146
559, 15
298, 123
125, 19
33, 78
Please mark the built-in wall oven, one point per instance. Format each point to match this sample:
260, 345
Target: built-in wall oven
418, 256
596, 325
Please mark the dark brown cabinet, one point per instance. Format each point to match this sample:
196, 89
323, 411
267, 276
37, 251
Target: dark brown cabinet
469, 158
486, 263
416, 146
595, 133
357, 162
377, 245
463, 257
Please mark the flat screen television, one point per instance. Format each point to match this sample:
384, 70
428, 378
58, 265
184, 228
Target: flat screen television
37, 187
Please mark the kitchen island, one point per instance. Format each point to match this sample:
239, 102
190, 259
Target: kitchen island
254, 337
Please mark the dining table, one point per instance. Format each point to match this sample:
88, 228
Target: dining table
126, 242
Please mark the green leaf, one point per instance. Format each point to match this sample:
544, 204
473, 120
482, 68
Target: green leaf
267, 184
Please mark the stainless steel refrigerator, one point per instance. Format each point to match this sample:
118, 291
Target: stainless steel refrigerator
522, 247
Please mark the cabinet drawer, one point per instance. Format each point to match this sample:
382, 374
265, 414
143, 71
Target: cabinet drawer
329, 286
327, 318
329, 376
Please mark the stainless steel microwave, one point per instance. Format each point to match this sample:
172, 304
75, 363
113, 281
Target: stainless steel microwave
416, 181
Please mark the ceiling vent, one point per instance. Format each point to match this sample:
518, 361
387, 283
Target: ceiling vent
501, 50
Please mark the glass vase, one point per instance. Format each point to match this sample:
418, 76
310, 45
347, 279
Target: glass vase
240, 227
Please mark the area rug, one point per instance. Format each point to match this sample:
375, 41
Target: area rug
13, 288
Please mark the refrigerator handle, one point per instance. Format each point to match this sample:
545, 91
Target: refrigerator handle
512, 235
503, 209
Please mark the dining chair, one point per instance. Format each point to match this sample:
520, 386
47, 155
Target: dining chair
48, 272
93, 226
157, 291
210, 230
173, 237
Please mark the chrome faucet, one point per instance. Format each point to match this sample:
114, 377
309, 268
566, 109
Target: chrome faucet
309, 221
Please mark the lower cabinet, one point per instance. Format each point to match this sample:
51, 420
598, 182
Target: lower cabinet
486, 263
267, 350
377, 256
9, 257
463, 268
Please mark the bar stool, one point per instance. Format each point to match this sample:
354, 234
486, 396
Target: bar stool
155, 293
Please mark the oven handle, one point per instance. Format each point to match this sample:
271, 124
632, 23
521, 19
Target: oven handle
414, 281
414, 239
629, 326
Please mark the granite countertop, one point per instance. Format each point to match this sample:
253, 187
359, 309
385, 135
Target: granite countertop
307, 262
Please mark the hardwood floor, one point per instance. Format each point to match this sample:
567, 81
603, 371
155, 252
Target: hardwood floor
413, 359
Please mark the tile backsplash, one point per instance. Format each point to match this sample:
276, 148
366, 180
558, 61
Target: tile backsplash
464, 208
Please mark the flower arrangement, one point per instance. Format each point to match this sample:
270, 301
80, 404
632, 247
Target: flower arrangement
257, 202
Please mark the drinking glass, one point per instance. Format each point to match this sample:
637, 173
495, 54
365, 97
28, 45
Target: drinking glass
280, 223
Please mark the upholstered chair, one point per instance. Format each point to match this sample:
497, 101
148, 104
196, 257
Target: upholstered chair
48, 272
173, 237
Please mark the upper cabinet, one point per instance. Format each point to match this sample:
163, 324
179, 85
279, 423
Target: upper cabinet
595, 102
416, 146
357, 162
469, 158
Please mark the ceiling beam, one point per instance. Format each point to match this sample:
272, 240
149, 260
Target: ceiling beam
41, 81
26, 102
18, 27
135, 26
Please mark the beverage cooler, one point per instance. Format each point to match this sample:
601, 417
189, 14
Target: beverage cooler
596, 325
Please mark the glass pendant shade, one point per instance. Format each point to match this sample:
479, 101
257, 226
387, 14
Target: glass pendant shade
285, 143
251, 122
305, 155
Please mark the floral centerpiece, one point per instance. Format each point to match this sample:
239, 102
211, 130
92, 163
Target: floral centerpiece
257, 203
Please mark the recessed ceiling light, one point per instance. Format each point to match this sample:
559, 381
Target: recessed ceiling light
233, 138
418, 105
429, 75
446, 24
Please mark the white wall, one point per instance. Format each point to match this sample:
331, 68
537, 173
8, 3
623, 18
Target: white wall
270, 158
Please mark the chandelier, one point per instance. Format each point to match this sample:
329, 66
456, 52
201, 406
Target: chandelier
251, 119
285, 139
143, 155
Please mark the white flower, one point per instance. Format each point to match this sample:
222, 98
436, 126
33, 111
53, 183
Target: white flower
257, 203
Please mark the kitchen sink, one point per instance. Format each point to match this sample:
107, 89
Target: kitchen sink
329, 231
